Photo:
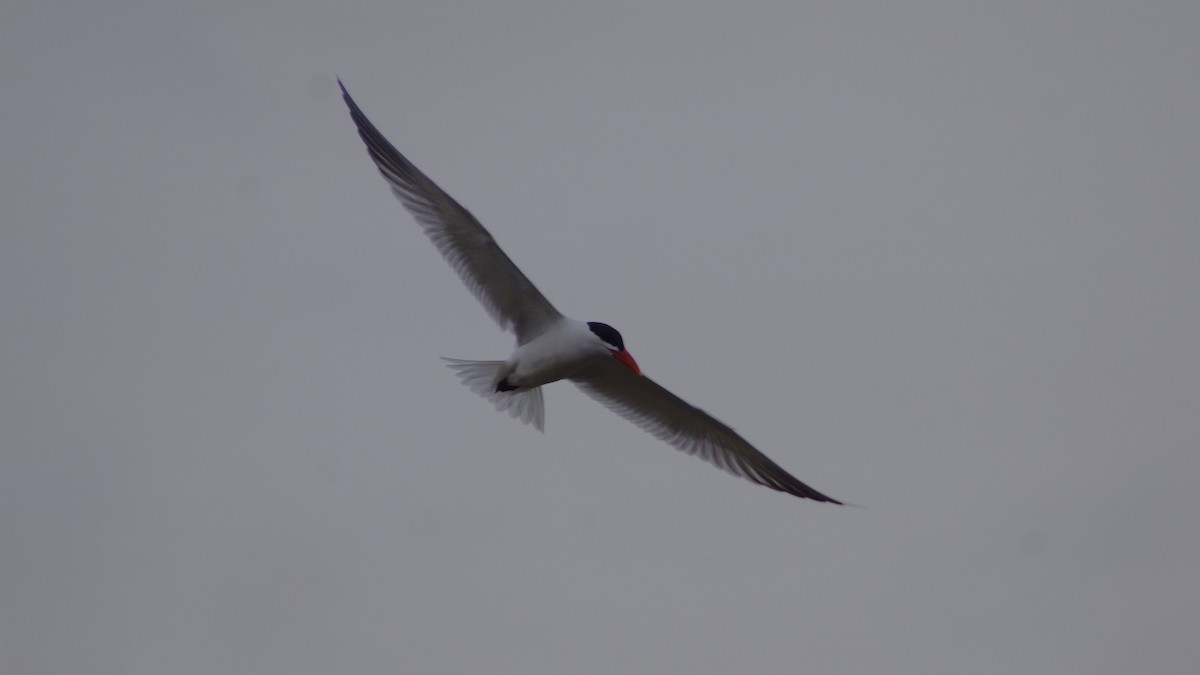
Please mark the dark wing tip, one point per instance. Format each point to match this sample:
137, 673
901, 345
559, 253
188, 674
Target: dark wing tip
394, 166
818, 497
793, 486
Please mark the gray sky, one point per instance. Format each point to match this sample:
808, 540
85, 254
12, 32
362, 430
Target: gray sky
937, 259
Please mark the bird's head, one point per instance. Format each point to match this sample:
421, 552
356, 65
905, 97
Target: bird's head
615, 344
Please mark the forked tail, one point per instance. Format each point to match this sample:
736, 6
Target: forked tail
481, 377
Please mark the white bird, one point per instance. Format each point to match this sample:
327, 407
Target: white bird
550, 346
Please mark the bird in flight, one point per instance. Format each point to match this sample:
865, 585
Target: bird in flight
551, 346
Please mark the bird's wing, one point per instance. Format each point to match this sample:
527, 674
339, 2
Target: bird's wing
507, 295
656, 410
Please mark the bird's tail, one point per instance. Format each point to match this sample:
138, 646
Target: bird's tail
482, 377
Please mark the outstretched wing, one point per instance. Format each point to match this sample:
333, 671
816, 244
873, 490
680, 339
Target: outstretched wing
505, 292
672, 419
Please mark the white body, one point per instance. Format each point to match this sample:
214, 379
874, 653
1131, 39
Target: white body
564, 349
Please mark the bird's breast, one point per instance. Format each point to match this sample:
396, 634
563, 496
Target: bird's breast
554, 355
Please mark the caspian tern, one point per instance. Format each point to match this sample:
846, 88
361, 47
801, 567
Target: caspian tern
550, 346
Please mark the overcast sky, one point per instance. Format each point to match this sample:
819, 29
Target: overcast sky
938, 259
